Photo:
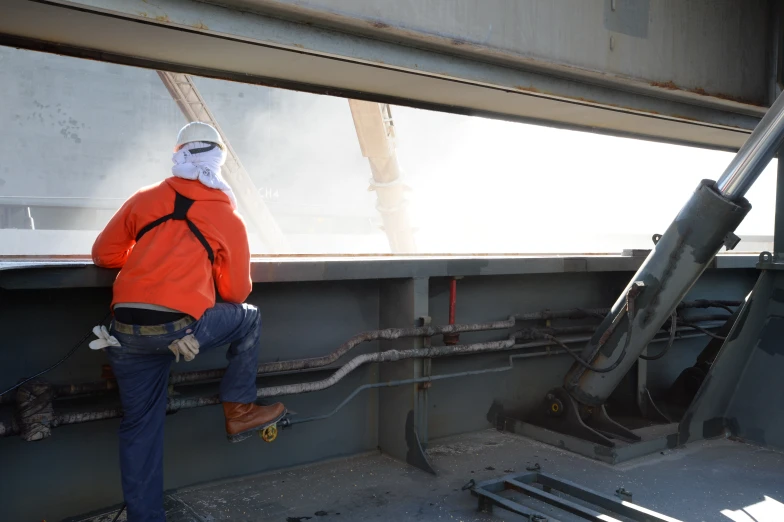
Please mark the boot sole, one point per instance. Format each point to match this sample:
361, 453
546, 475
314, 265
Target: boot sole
239, 437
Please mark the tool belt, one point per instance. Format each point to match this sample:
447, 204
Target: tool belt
153, 329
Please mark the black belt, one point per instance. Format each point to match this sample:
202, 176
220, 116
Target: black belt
144, 317
156, 329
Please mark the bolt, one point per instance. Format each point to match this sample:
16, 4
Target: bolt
556, 407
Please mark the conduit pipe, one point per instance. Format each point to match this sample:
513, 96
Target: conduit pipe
507, 367
64, 390
451, 338
299, 364
176, 404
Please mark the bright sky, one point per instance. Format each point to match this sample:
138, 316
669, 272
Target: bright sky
478, 185
505, 186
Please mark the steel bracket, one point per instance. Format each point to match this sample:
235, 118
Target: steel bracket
769, 261
563, 414
731, 241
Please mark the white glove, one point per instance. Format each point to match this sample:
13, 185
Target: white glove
104, 339
188, 347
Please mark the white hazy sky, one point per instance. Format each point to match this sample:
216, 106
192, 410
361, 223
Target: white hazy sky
478, 184
504, 186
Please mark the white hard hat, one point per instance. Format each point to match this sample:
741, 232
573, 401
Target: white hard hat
198, 131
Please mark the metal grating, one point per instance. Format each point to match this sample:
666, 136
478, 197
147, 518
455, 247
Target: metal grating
601, 509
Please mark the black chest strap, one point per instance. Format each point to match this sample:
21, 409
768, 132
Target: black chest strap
181, 207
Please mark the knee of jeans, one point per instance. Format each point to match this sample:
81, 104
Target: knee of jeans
252, 316
252, 312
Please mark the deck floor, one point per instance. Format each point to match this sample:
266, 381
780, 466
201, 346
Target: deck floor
693, 484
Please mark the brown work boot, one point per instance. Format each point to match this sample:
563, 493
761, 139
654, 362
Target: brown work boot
242, 420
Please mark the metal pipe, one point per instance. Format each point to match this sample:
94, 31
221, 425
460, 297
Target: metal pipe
709, 303
698, 232
90, 388
573, 313
403, 382
326, 360
177, 404
443, 376
375, 335
778, 231
755, 154
709, 321
452, 339
452, 300
64, 390
110, 385
389, 355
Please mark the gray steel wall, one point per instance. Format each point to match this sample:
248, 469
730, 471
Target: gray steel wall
742, 395
686, 43
75, 470
697, 72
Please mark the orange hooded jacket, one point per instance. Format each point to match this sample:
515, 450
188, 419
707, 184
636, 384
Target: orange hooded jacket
169, 266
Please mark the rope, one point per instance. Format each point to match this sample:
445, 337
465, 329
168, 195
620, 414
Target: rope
629, 309
119, 513
703, 330
58, 363
673, 328
35, 410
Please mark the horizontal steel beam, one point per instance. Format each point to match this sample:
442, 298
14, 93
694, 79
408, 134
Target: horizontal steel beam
32, 273
192, 37
628, 45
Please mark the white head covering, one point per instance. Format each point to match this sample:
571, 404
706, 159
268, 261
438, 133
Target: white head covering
204, 166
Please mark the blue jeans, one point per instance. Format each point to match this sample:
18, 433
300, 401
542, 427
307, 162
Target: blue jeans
141, 365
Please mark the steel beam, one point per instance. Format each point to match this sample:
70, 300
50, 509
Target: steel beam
622, 42
402, 423
192, 37
778, 236
49, 273
376, 135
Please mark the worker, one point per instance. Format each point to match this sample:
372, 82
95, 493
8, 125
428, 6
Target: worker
175, 243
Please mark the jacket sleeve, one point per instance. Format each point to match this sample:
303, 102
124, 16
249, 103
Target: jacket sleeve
232, 264
114, 244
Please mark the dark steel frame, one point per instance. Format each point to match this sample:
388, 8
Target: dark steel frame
488, 493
